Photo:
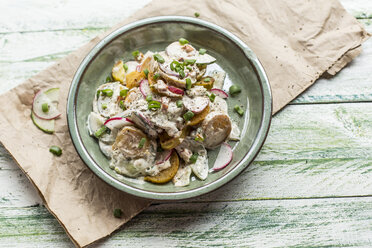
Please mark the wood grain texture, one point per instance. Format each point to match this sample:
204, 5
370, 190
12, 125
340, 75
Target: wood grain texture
310, 185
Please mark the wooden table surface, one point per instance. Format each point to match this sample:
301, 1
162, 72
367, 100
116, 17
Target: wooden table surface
311, 184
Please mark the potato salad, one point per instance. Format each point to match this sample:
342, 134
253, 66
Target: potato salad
157, 116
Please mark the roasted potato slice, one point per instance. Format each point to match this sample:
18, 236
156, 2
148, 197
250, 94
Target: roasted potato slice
128, 140
206, 84
166, 175
134, 78
198, 117
168, 143
118, 72
216, 128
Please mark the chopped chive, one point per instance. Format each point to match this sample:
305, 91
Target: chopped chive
153, 105
190, 61
108, 79
104, 106
206, 79
196, 14
98, 92
173, 63
125, 67
188, 115
199, 138
212, 97
56, 150
193, 158
45, 107
135, 53
181, 73
118, 213
239, 110
107, 92
148, 98
159, 58
124, 93
202, 51
156, 76
100, 131
183, 41
179, 103
121, 105
189, 68
146, 71
234, 89
142, 143
188, 83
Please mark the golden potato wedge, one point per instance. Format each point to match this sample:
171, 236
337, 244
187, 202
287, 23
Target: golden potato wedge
168, 143
166, 175
198, 117
118, 72
206, 84
134, 78
128, 140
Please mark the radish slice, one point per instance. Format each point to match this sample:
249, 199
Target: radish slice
168, 71
176, 90
224, 157
95, 122
197, 104
220, 93
46, 126
164, 156
145, 87
49, 97
143, 123
117, 122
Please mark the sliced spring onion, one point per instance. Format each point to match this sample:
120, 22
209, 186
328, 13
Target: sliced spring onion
118, 213
234, 89
179, 103
193, 158
108, 79
196, 14
142, 143
181, 73
202, 51
107, 92
125, 67
56, 150
212, 97
183, 41
239, 110
188, 115
121, 105
45, 107
148, 98
146, 72
190, 61
98, 93
124, 93
100, 131
188, 83
207, 79
189, 68
156, 76
153, 105
104, 106
159, 58
199, 138
135, 53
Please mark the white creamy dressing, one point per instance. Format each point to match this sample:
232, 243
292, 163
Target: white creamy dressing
168, 118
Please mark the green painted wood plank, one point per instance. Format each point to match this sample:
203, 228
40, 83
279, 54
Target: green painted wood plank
314, 150
271, 223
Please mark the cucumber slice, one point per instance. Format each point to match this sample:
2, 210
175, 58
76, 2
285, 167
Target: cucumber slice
49, 97
46, 126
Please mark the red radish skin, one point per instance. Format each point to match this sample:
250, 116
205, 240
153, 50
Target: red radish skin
219, 93
35, 112
144, 87
166, 157
129, 120
112, 119
224, 157
110, 123
197, 104
176, 90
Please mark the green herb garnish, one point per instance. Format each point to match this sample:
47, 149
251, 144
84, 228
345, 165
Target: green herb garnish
118, 213
108, 79
188, 115
45, 107
56, 150
124, 93
107, 92
142, 143
188, 83
183, 41
199, 138
159, 58
202, 51
239, 110
98, 93
125, 67
179, 103
193, 158
121, 105
212, 97
153, 105
148, 98
146, 72
196, 14
156, 76
100, 131
190, 61
104, 106
135, 53
234, 89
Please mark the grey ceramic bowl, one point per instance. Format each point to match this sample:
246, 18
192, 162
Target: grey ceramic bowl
235, 57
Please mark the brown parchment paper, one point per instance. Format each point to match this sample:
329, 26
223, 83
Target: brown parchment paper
296, 41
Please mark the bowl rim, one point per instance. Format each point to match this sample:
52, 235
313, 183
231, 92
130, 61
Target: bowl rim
243, 163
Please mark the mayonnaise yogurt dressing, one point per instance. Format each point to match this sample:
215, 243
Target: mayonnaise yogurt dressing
157, 117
